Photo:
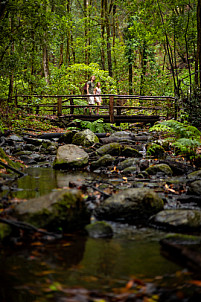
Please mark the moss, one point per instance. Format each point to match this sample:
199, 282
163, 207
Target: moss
15, 165
156, 150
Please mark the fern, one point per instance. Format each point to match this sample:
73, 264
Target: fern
184, 138
97, 126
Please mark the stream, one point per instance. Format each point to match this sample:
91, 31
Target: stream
38, 272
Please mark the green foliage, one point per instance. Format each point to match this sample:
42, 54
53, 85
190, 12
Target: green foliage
70, 80
97, 126
183, 137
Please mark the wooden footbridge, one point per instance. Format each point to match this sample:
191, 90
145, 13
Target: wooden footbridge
114, 108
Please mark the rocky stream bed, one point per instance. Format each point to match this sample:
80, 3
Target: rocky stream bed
129, 183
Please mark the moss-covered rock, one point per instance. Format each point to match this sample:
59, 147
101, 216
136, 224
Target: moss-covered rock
130, 152
195, 188
130, 205
163, 168
194, 175
155, 150
60, 210
99, 229
85, 138
129, 162
103, 161
182, 218
8, 161
67, 137
69, 156
112, 149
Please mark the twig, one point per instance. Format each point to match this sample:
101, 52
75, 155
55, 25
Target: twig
11, 168
27, 227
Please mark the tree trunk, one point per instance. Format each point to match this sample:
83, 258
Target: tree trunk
45, 63
199, 42
109, 55
143, 68
102, 34
11, 82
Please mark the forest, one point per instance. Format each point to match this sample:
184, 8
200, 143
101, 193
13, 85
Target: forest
150, 47
100, 206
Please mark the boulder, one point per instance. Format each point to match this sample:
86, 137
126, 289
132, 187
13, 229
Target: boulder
194, 175
130, 205
112, 149
129, 162
178, 219
155, 150
99, 229
85, 138
162, 168
59, 210
195, 187
103, 161
130, 152
69, 156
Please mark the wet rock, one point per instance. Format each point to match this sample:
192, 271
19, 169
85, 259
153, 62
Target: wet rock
194, 175
195, 187
178, 167
163, 168
99, 229
130, 152
119, 136
70, 156
129, 162
85, 138
184, 250
4, 156
31, 147
112, 149
130, 205
155, 150
62, 209
67, 137
179, 219
103, 161
33, 141
130, 170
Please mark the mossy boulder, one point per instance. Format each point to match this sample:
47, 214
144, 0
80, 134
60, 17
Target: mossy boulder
179, 219
162, 168
85, 138
8, 161
59, 210
194, 175
99, 229
103, 161
130, 205
69, 156
195, 188
155, 150
130, 152
129, 162
112, 149
67, 137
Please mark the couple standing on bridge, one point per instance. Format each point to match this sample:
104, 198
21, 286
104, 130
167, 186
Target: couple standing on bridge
93, 93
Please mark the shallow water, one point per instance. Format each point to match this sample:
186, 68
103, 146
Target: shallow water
77, 261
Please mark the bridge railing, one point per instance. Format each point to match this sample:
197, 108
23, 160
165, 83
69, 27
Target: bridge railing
112, 105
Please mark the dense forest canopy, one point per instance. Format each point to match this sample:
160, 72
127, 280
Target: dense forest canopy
141, 47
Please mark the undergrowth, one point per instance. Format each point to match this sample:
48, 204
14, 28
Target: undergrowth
182, 137
97, 126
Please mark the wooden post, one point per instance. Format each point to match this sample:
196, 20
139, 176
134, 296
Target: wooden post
71, 109
59, 106
119, 103
111, 109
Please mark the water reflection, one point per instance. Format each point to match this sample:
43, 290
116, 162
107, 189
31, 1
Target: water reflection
41, 181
